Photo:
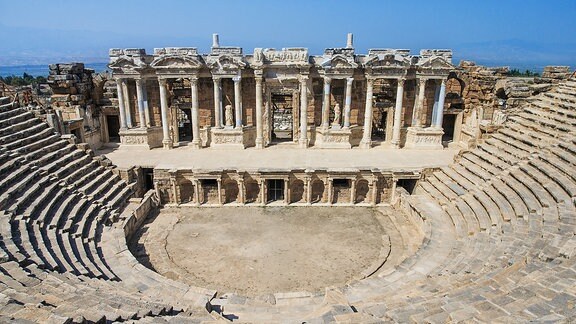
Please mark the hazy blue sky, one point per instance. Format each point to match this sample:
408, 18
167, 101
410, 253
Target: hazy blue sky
489, 31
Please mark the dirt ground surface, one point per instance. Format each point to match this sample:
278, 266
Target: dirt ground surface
256, 251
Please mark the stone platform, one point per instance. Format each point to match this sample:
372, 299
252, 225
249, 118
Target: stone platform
284, 157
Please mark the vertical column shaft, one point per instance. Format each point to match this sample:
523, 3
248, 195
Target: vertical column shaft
167, 143
352, 191
140, 95
326, 103
146, 107
440, 112
238, 100
241, 191
219, 191
286, 191
217, 103
330, 191
348, 102
197, 192
398, 114
303, 139
195, 114
367, 135
127, 104
259, 114
419, 105
308, 190
121, 106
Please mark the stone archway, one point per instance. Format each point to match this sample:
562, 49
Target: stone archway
297, 191
186, 191
317, 191
362, 190
252, 190
231, 191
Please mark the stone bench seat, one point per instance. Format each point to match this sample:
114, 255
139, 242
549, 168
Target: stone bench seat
101, 178
25, 124
103, 186
14, 136
480, 212
50, 193
512, 139
505, 208
75, 177
539, 138
497, 152
41, 152
462, 169
467, 211
458, 178
62, 161
560, 164
19, 184
564, 180
50, 156
30, 140
560, 97
38, 145
60, 215
523, 138
19, 117
76, 213
89, 177
534, 126
22, 239
562, 107
554, 113
490, 160
95, 252
443, 188
556, 191
456, 188
507, 151
478, 167
30, 193
111, 192
10, 165
539, 192
11, 112
512, 197
545, 123
69, 253
532, 204
72, 166
45, 248
121, 198
79, 252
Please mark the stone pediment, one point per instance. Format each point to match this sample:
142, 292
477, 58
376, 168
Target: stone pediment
388, 60
339, 63
126, 65
435, 62
225, 64
176, 62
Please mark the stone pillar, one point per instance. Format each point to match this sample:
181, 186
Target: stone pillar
219, 191
241, 191
398, 114
127, 104
303, 139
348, 102
435, 106
217, 102
166, 142
197, 192
326, 103
196, 143
367, 135
146, 107
330, 191
238, 100
419, 105
121, 106
393, 195
262, 192
286, 191
352, 191
173, 187
308, 199
374, 191
140, 95
440, 112
259, 113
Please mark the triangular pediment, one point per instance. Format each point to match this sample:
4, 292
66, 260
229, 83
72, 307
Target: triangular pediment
340, 62
226, 63
176, 62
387, 60
436, 62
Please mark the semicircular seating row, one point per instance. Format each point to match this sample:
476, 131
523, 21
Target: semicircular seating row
499, 229
55, 201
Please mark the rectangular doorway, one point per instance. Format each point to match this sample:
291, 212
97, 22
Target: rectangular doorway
113, 128
448, 124
282, 118
275, 189
148, 178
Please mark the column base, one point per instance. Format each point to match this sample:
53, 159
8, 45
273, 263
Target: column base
196, 144
424, 138
365, 144
302, 142
259, 143
167, 144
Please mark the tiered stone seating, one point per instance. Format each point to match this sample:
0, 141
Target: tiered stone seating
55, 201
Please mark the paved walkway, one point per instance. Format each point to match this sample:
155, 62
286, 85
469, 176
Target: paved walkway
279, 157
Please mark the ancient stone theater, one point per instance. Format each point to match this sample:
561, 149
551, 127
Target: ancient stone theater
282, 186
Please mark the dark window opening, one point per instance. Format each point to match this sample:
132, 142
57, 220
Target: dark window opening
275, 189
408, 184
341, 183
448, 124
209, 183
148, 178
113, 128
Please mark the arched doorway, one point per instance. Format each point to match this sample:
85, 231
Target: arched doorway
317, 191
230, 191
362, 189
297, 191
186, 191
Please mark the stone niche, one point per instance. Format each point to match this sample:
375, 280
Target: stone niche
233, 137
139, 137
333, 138
424, 138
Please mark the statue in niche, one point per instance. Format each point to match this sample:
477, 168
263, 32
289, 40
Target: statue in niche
229, 116
337, 114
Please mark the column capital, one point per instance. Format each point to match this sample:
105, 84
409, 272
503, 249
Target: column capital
401, 81
370, 80
162, 81
422, 80
303, 78
258, 73
216, 78
193, 80
258, 79
327, 79
237, 79
443, 81
349, 80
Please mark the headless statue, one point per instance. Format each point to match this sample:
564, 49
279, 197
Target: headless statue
337, 114
229, 116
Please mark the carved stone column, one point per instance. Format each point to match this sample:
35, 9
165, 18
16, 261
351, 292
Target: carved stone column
195, 114
262, 192
146, 107
348, 102
440, 112
196, 192
330, 191
367, 134
259, 113
140, 96
352, 191
121, 106
419, 105
308, 199
127, 104
374, 190
303, 139
398, 114
241, 191
166, 142
286, 191
219, 191
326, 103
238, 100
217, 102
